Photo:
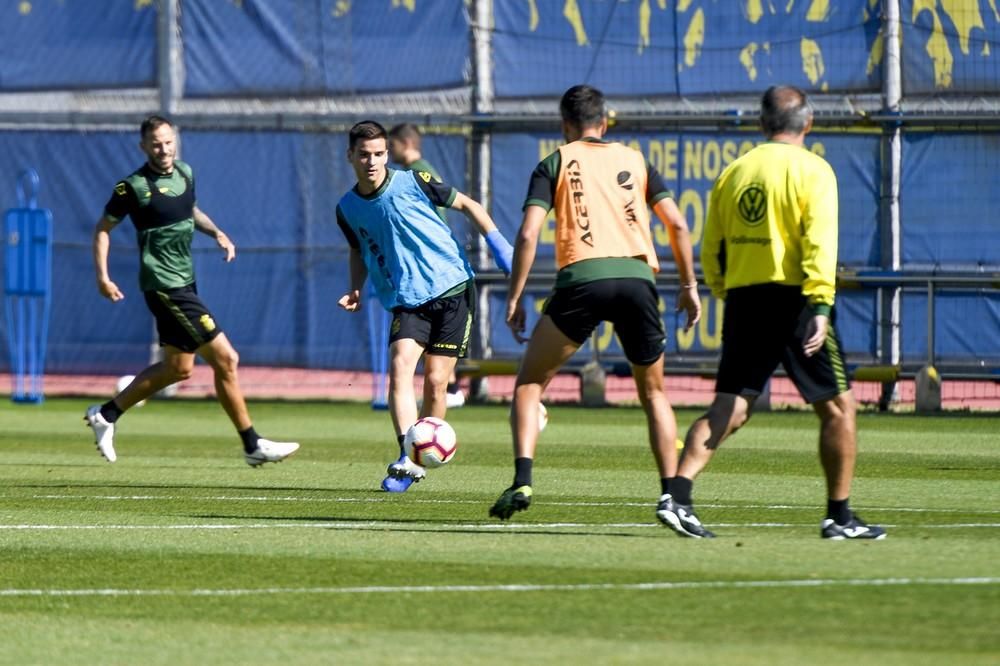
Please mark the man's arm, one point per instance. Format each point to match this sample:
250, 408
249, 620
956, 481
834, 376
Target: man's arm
680, 243
204, 224
819, 258
712, 247
101, 248
483, 223
351, 301
526, 245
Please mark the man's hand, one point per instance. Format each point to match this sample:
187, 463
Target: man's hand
110, 290
226, 245
351, 301
516, 319
689, 301
816, 331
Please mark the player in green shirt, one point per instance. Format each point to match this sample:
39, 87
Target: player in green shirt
160, 198
404, 149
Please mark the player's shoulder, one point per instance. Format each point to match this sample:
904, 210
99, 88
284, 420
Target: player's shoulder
184, 168
134, 182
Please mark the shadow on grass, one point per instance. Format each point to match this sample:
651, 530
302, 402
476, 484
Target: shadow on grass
407, 525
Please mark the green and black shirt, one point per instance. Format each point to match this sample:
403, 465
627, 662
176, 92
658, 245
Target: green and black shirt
162, 209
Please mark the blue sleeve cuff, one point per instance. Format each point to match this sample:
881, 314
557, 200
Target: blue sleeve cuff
503, 252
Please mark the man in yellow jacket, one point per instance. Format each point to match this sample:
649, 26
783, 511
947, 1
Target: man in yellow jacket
770, 250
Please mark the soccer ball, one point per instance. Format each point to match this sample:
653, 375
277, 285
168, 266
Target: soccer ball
430, 442
123, 383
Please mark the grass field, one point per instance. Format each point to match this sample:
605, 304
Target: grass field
181, 554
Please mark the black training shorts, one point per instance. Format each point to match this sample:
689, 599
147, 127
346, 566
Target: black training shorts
630, 304
442, 326
765, 325
182, 320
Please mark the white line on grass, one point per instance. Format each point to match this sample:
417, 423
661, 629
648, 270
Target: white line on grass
522, 587
432, 526
372, 500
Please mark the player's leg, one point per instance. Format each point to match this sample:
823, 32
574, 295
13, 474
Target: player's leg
634, 310
404, 354
822, 381
176, 366
570, 317
224, 361
450, 320
753, 334
548, 349
179, 337
437, 370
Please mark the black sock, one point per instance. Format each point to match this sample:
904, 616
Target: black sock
402, 449
838, 511
453, 387
522, 472
680, 488
664, 486
111, 411
249, 437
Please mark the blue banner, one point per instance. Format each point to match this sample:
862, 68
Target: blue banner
967, 327
645, 47
948, 200
96, 44
950, 46
328, 47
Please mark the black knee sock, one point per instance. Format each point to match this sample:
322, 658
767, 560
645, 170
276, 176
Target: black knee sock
839, 511
680, 488
664, 485
111, 411
402, 449
249, 437
522, 472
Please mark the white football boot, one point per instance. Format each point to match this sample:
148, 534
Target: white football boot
104, 432
270, 452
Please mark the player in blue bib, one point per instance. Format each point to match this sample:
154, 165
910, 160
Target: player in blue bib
420, 274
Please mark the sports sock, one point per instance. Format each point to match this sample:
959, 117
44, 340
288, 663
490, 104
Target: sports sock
680, 488
664, 486
399, 440
838, 511
522, 472
249, 437
111, 411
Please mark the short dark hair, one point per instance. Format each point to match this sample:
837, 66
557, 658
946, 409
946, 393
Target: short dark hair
406, 132
363, 131
784, 109
151, 124
583, 106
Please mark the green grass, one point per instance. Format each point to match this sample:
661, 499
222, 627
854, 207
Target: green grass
206, 561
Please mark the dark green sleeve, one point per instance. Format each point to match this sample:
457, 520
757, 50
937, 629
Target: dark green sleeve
656, 189
440, 193
349, 234
122, 203
542, 186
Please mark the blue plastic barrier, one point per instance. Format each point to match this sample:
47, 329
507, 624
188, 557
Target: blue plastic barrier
378, 340
27, 233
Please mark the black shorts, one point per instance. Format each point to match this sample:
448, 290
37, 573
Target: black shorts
630, 304
182, 320
765, 325
442, 326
